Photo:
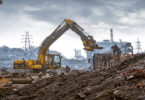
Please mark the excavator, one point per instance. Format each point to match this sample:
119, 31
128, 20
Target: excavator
53, 61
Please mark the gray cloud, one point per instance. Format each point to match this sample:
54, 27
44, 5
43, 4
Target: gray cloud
54, 10
95, 16
110, 12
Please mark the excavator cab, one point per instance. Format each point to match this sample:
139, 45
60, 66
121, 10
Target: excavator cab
54, 61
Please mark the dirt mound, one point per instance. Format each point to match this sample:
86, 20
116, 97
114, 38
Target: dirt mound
125, 81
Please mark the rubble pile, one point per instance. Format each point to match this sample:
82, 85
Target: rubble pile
125, 81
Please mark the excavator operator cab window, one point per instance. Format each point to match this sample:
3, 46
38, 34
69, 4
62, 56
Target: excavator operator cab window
54, 60
57, 60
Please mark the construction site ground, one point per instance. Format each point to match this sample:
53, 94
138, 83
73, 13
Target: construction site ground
125, 81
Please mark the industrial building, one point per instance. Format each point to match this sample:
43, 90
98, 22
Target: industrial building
125, 47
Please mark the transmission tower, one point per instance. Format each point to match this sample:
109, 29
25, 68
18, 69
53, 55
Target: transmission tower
27, 42
138, 45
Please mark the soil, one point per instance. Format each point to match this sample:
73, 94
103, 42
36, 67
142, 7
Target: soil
125, 81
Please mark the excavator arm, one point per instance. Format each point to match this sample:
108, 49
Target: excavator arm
88, 41
53, 61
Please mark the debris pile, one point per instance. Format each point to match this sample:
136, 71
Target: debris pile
125, 81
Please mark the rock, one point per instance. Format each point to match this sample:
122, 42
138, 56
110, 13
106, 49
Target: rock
81, 95
141, 98
105, 95
118, 95
139, 74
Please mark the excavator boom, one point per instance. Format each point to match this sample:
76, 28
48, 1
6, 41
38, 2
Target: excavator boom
88, 41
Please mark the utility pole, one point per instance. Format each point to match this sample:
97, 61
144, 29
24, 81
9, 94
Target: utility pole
138, 45
27, 40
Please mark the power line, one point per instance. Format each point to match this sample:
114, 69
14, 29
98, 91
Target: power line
27, 42
138, 45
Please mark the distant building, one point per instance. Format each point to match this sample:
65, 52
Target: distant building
78, 55
126, 47
78, 62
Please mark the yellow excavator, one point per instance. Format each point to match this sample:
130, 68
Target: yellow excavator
53, 61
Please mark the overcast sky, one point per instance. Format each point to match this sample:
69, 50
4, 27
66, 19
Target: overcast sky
41, 17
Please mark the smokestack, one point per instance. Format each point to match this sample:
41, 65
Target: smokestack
0, 1
111, 35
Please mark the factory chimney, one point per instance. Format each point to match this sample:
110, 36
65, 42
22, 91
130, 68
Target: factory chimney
111, 35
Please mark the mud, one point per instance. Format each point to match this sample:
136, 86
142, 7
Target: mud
121, 82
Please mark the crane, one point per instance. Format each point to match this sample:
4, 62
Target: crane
53, 61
